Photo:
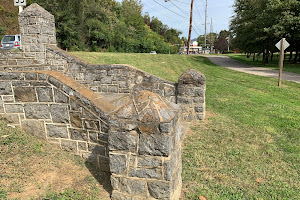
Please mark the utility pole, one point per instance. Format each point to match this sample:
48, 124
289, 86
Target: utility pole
191, 19
205, 24
211, 33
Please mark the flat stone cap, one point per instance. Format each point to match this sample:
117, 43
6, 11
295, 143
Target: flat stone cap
35, 10
192, 77
148, 110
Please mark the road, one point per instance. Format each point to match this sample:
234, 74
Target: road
229, 63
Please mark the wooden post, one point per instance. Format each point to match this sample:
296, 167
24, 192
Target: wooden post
191, 19
281, 61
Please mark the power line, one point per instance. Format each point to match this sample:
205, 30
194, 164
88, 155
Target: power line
198, 13
160, 12
170, 10
178, 8
182, 2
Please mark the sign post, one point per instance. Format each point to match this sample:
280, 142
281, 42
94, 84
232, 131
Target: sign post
281, 45
20, 3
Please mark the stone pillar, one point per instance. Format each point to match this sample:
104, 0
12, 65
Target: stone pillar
145, 149
191, 95
37, 28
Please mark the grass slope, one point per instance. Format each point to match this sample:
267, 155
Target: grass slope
30, 168
248, 147
288, 66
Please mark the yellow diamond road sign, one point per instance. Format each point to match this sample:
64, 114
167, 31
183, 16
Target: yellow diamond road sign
286, 44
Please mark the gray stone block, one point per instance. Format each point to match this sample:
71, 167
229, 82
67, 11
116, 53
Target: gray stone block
199, 108
37, 111
104, 164
184, 100
165, 127
199, 92
130, 186
78, 134
149, 161
155, 173
43, 77
69, 145
5, 88
120, 196
122, 141
93, 136
54, 82
8, 99
198, 100
92, 125
104, 79
59, 113
118, 163
60, 97
11, 75
159, 189
44, 94
25, 94
97, 149
34, 127
11, 118
14, 108
76, 119
112, 89
103, 137
57, 131
155, 145
82, 145
30, 76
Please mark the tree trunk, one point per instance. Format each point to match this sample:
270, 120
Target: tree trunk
296, 56
291, 55
264, 58
254, 57
248, 55
272, 54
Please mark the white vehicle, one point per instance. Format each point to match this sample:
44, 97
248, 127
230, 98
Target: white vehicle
153, 52
10, 42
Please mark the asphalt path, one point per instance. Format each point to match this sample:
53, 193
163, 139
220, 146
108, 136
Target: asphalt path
225, 61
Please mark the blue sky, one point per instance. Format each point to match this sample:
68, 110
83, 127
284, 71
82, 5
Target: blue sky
219, 10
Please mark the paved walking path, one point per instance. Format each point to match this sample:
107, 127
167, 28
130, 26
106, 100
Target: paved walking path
225, 61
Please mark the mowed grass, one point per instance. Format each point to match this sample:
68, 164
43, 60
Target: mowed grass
31, 168
249, 145
287, 66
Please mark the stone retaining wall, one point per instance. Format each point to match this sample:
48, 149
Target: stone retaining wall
51, 106
137, 137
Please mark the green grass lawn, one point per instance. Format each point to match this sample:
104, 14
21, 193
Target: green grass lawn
288, 66
249, 145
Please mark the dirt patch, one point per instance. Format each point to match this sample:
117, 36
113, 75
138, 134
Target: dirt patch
31, 169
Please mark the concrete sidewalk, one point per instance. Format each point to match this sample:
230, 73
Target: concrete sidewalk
229, 63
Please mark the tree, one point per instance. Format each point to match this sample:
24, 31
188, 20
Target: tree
259, 24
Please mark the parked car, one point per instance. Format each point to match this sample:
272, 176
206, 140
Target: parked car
153, 52
11, 42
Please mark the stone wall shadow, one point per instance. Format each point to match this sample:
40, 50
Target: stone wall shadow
103, 177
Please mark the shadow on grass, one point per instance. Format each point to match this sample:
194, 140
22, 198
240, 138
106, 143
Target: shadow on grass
101, 173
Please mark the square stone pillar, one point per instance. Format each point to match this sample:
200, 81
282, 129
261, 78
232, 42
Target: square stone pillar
191, 95
37, 28
145, 149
